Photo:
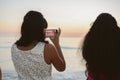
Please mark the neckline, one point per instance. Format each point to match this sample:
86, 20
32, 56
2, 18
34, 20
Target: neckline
27, 49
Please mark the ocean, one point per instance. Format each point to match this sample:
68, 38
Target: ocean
75, 65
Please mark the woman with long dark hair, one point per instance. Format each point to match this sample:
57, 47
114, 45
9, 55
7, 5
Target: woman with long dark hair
32, 55
101, 49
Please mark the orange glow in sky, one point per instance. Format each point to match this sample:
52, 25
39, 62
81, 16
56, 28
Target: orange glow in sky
72, 16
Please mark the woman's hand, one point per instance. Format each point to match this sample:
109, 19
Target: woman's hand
55, 39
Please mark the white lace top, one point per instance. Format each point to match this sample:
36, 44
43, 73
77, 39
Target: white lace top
30, 64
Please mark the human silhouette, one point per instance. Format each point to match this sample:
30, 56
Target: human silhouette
101, 49
32, 55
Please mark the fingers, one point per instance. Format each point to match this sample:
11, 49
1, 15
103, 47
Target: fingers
59, 30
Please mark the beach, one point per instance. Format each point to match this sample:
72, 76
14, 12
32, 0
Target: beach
56, 76
75, 65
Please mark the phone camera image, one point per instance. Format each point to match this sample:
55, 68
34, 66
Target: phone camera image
50, 32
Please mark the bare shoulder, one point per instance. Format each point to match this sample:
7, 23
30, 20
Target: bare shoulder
50, 48
48, 53
54, 57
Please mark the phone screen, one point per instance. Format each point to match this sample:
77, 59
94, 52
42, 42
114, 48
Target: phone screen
50, 32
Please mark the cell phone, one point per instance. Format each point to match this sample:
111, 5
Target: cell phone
50, 32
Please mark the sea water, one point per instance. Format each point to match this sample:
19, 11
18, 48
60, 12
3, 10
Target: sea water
75, 65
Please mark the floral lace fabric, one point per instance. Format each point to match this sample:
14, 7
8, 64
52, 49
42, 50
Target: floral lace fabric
30, 64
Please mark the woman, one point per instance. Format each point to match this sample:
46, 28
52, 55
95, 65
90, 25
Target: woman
31, 54
101, 49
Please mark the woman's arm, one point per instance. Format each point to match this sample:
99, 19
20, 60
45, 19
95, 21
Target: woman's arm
55, 41
55, 53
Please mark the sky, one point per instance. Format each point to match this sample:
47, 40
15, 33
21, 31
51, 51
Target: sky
72, 16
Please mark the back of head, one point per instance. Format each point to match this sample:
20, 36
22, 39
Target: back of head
101, 47
32, 28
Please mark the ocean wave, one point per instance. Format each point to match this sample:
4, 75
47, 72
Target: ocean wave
5, 61
56, 76
66, 47
4, 47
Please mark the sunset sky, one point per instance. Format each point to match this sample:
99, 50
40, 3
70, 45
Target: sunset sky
72, 16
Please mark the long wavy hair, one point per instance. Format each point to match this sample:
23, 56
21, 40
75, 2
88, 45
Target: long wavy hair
32, 28
101, 47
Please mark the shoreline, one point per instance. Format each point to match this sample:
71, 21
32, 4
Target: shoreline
77, 75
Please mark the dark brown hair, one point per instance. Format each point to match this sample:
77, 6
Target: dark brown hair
101, 47
32, 28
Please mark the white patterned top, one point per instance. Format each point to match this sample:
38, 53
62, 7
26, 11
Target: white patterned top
30, 64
